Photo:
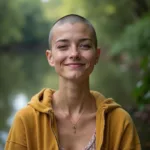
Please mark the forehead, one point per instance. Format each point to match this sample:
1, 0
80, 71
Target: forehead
71, 30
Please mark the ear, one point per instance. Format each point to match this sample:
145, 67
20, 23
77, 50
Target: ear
50, 58
98, 52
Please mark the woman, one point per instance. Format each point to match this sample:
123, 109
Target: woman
73, 117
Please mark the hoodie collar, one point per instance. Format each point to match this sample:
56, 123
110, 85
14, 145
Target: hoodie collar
42, 101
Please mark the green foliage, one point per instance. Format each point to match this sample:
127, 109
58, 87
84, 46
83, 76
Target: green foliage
11, 21
142, 90
109, 18
135, 39
22, 21
36, 26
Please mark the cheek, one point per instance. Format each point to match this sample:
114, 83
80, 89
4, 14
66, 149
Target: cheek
58, 59
91, 58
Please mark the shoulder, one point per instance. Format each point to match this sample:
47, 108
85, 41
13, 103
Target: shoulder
120, 116
121, 113
121, 123
24, 115
27, 110
22, 120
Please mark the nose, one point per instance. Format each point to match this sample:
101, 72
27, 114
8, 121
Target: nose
74, 53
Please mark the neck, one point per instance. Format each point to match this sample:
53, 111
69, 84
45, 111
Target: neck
73, 97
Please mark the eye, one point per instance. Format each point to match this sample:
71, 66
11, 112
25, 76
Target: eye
62, 47
85, 46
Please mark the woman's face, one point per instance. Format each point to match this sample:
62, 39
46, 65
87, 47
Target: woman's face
73, 53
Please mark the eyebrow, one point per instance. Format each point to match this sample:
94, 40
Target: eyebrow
62, 40
85, 39
80, 40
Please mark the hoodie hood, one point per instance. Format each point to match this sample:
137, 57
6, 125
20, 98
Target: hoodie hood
42, 101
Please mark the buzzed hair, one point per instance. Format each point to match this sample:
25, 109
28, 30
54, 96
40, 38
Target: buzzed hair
72, 18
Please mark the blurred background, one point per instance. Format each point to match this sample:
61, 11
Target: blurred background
123, 72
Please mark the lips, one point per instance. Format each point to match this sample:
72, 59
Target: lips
75, 65
68, 64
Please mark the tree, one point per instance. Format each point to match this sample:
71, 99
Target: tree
10, 26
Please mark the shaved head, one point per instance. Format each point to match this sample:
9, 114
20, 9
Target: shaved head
72, 19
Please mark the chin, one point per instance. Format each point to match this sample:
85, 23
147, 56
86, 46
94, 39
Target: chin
76, 77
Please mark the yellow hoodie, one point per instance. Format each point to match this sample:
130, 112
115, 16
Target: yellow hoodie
34, 127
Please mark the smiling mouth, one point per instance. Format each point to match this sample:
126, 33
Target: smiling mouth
75, 65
